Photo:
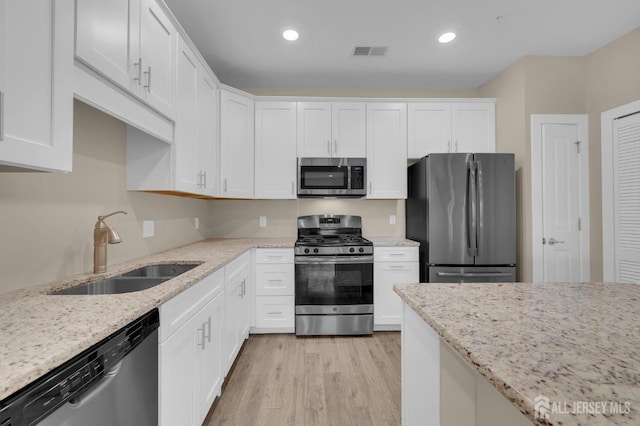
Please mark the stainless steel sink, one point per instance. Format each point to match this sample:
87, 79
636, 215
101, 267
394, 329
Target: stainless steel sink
167, 270
136, 280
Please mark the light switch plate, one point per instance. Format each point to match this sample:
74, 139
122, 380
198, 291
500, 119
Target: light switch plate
148, 228
263, 221
392, 219
196, 223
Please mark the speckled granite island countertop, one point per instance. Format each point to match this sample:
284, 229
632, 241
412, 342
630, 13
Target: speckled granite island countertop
576, 344
39, 331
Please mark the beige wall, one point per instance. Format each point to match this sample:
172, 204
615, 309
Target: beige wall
612, 79
47, 219
240, 218
607, 78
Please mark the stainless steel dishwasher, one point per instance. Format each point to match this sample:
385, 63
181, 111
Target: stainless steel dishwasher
114, 383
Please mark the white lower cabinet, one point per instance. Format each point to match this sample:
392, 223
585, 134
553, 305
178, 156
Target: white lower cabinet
190, 352
236, 307
274, 303
392, 265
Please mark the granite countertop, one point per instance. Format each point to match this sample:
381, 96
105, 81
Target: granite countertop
392, 242
576, 344
40, 331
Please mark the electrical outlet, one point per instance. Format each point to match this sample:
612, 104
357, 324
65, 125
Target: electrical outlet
196, 223
263, 221
148, 228
392, 219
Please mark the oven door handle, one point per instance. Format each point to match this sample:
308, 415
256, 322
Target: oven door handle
332, 260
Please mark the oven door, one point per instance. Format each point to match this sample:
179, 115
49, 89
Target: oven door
317, 179
334, 280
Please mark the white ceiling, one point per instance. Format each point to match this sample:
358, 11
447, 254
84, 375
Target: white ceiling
242, 39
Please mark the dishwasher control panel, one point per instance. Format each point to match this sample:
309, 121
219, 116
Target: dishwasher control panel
70, 380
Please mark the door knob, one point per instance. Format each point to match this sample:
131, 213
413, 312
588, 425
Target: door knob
553, 241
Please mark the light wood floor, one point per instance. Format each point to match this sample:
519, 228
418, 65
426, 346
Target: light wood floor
287, 380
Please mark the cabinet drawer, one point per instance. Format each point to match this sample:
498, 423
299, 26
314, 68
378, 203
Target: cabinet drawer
236, 266
274, 280
274, 311
274, 255
177, 311
395, 254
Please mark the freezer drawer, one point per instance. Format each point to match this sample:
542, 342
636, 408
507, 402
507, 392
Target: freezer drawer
471, 274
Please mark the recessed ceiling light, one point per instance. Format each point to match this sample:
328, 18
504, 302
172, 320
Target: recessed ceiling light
447, 37
290, 35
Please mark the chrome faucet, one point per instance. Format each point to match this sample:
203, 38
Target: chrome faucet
103, 234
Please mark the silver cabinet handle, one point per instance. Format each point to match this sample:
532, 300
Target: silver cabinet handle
148, 74
138, 78
208, 324
204, 176
1, 116
199, 180
553, 241
274, 313
448, 146
335, 146
224, 185
329, 147
244, 287
397, 266
201, 330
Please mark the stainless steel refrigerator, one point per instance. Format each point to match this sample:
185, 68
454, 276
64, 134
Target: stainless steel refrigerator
461, 208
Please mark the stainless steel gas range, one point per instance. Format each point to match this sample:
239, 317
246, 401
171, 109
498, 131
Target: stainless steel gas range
333, 276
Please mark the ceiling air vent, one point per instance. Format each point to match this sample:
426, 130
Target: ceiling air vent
370, 50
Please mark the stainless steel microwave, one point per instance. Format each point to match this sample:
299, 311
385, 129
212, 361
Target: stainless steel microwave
332, 177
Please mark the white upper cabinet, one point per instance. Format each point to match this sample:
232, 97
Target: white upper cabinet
36, 85
451, 127
328, 129
133, 43
195, 146
275, 150
236, 145
188, 176
387, 150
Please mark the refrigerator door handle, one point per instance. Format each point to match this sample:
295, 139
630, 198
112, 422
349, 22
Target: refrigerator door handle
472, 209
473, 274
480, 207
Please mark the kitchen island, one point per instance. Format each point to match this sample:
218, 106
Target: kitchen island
560, 354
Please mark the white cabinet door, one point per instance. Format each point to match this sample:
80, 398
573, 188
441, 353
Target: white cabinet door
236, 145
429, 128
473, 127
348, 129
36, 84
232, 342
275, 150
245, 305
275, 313
157, 50
387, 150
388, 305
314, 129
108, 51
177, 376
185, 144
209, 357
206, 132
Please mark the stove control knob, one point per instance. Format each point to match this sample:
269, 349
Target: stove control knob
316, 250
361, 250
351, 250
306, 250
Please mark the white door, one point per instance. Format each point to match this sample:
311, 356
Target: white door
387, 150
314, 129
626, 198
275, 150
560, 161
348, 129
236, 145
186, 158
157, 48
